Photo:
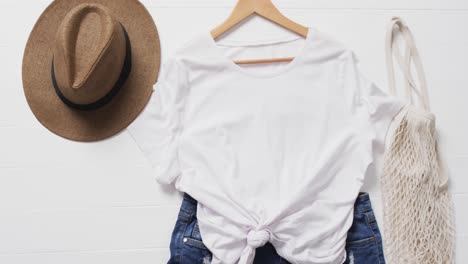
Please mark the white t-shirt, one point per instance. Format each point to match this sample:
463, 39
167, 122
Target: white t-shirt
272, 152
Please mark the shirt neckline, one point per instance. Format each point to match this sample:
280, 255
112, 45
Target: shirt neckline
231, 64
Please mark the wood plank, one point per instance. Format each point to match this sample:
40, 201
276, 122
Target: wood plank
69, 230
298, 4
28, 189
321, 4
458, 168
461, 252
22, 148
461, 214
132, 256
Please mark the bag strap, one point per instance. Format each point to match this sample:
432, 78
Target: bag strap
411, 55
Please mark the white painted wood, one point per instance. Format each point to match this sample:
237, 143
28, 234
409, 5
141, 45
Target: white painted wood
140, 256
87, 229
461, 215
66, 202
48, 188
462, 245
301, 4
37, 147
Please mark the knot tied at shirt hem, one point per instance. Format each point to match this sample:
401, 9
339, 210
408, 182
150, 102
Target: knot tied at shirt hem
256, 239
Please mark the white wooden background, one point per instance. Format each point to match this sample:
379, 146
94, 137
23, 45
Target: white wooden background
65, 202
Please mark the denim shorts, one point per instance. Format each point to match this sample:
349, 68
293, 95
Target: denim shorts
363, 244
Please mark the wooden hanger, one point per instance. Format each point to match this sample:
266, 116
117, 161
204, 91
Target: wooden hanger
265, 9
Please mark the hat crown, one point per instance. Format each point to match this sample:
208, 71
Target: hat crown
61, 97
89, 53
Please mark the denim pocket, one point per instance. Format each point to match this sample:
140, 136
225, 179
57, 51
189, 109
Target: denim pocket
186, 243
361, 232
193, 251
193, 237
362, 243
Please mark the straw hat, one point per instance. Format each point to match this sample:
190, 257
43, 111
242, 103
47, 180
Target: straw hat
89, 66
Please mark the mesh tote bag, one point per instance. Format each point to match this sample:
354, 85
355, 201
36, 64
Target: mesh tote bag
418, 210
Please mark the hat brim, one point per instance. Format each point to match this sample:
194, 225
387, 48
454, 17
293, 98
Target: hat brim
125, 107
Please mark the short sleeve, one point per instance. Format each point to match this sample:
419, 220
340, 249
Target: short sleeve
156, 131
378, 107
